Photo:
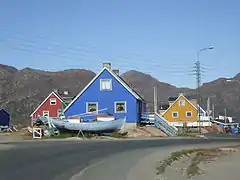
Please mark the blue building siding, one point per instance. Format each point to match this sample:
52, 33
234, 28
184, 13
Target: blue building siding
4, 118
106, 99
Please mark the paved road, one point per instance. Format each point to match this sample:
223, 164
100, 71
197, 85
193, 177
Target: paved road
60, 160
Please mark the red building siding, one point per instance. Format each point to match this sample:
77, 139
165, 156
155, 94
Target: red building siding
46, 106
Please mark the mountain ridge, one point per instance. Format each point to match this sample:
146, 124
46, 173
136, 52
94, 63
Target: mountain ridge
22, 90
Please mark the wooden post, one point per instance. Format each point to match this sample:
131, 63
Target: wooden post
213, 109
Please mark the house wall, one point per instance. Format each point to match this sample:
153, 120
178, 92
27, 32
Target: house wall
46, 106
106, 99
4, 118
181, 112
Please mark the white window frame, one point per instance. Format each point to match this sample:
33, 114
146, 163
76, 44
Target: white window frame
55, 101
173, 113
187, 113
59, 112
105, 80
183, 103
91, 103
46, 112
125, 106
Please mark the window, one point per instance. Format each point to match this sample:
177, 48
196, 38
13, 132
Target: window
59, 113
91, 107
189, 114
105, 84
175, 114
53, 101
46, 113
120, 107
182, 103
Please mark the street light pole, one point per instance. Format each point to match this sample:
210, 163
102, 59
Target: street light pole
198, 74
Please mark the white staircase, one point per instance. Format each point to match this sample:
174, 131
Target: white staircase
159, 122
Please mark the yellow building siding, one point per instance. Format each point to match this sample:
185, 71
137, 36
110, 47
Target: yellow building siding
181, 111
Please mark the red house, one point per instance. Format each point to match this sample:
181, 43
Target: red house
53, 105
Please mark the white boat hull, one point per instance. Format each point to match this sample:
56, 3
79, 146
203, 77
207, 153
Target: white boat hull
109, 125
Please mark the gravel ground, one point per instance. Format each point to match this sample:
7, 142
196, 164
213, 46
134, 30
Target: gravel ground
10, 137
5, 138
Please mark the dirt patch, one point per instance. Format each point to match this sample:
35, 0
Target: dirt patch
141, 132
215, 129
188, 164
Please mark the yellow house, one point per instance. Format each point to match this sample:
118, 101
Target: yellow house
181, 110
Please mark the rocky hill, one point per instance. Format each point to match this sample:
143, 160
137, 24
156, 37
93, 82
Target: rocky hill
223, 92
22, 90
144, 83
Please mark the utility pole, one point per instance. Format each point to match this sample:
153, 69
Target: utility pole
155, 98
208, 107
198, 81
213, 113
225, 115
197, 70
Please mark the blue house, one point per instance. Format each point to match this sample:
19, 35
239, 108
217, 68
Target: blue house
4, 119
109, 91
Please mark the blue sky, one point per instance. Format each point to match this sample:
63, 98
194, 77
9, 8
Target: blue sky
155, 36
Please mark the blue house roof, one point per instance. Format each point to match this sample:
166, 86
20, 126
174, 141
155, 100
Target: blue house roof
119, 79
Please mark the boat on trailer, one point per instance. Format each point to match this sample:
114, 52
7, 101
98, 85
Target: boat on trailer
91, 122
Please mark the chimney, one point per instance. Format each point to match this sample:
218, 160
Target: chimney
55, 90
107, 65
116, 71
65, 92
180, 94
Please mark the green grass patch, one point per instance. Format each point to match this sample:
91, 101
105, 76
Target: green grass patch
68, 134
61, 135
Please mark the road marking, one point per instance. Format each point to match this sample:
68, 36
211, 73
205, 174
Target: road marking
78, 175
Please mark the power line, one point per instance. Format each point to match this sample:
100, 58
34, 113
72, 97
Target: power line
51, 44
34, 49
21, 36
18, 36
34, 46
